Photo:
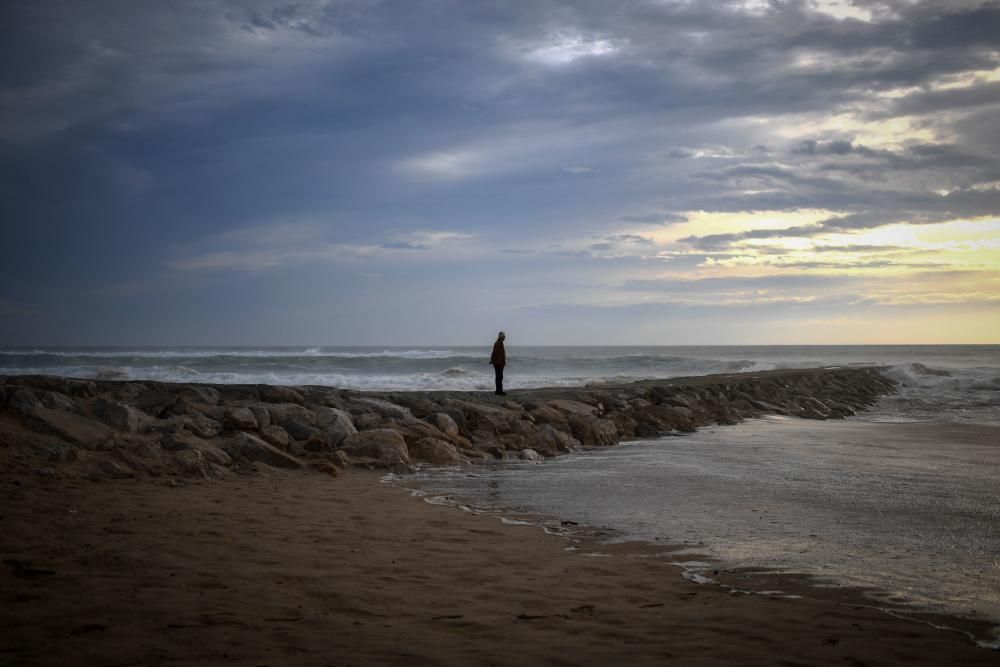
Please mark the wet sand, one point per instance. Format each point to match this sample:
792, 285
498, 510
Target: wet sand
300, 569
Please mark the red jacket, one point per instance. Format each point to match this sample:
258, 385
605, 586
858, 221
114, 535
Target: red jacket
499, 356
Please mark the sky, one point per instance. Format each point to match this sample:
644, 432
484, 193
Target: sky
369, 172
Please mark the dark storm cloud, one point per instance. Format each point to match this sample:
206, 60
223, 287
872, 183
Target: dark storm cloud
137, 129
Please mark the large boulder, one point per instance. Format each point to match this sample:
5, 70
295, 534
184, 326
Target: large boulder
381, 407
274, 394
192, 462
444, 423
240, 419
337, 424
202, 425
593, 432
555, 440
75, 428
247, 448
121, 416
57, 401
276, 436
176, 442
283, 413
382, 446
155, 402
199, 393
261, 414
433, 450
573, 407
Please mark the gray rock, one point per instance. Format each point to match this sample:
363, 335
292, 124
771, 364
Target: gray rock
192, 463
214, 456
262, 416
555, 440
175, 442
240, 419
274, 394
282, 413
383, 446
174, 424
57, 401
114, 469
246, 447
198, 393
433, 450
75, 428
121, 416
445, 424
367, 421
154, 402
382, 407
593, 432
337, 424
23, 401
573, 407
202, 425
529, 454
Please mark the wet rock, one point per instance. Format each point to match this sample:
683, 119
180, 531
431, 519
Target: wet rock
549, 415
246, 447
529, 454
592, 431
555, 440
434, 450
240, 419
383, 446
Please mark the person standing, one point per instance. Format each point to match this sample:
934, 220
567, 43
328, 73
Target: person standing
499, 359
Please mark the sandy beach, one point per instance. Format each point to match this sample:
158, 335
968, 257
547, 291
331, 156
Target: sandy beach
300, 569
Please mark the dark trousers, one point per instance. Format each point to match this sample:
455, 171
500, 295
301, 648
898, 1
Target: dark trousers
498, 370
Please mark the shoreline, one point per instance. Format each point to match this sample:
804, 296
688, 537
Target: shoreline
701, 566
294, 568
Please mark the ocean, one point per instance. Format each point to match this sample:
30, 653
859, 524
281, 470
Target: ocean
903, 499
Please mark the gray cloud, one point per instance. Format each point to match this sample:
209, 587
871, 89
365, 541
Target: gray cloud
135, 129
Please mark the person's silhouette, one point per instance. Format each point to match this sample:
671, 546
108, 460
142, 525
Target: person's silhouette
499, 360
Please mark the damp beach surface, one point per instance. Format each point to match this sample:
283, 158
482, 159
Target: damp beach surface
908, 511
297, 569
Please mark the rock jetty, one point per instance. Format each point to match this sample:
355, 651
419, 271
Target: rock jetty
64, 427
